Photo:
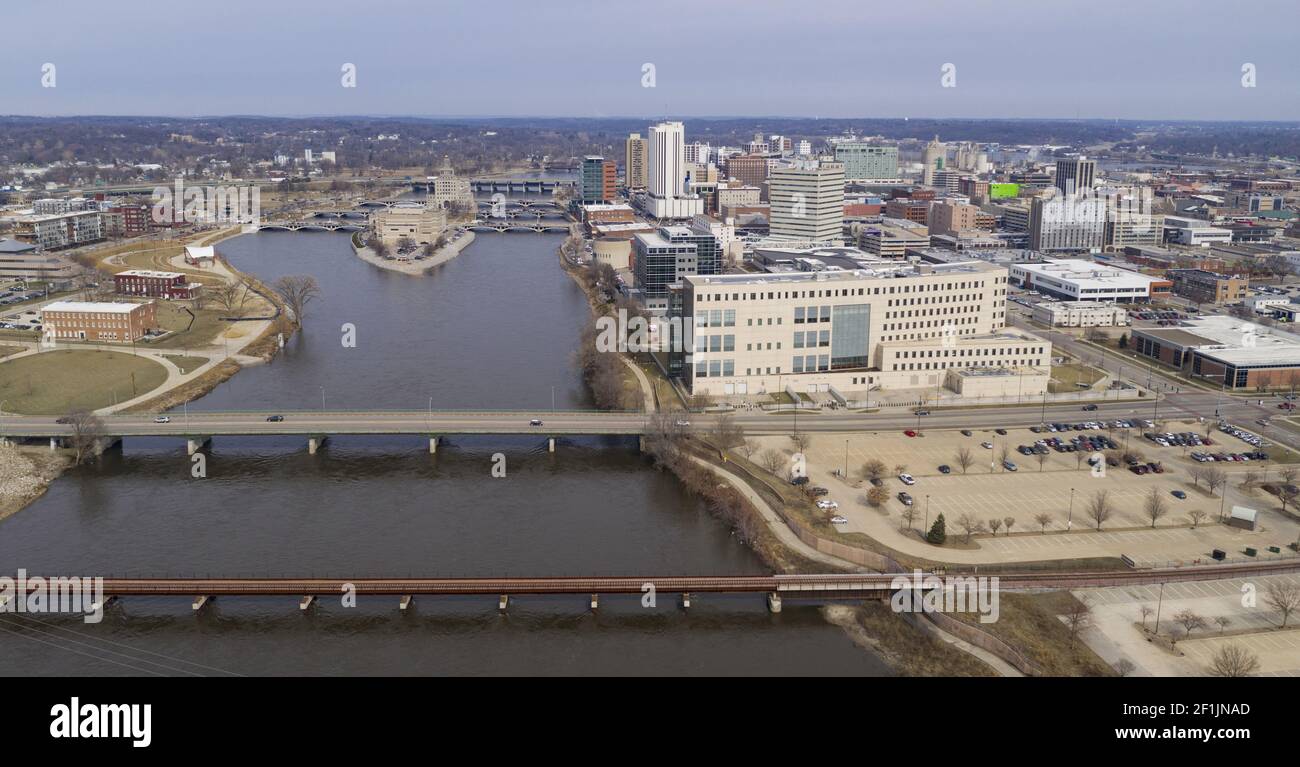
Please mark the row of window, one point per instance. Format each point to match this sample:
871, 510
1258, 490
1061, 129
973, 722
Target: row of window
921, 287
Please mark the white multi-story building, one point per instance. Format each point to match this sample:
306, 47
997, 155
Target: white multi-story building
1067, 223
1078, 280
807, 201
892, 327
669, 195
60, 231
1194, 231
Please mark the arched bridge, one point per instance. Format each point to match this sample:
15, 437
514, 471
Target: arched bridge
517, 225
320, 225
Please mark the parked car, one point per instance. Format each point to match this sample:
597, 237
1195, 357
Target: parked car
966, 433
838, 520
1008, 465
1179, 494
945, 469
986, 445
905, 498
827, 505
910, 433
1003, 432
818, 490
906, 479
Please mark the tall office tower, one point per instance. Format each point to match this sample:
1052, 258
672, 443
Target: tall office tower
1067, 224
933, 159
636, 161
749, 169
669, 182
1075, 175
697, 152
808, 202
867, 161
598, 181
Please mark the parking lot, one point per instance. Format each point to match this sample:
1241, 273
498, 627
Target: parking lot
1116, 626
987, 491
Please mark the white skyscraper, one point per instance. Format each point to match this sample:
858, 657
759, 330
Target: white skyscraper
808, 202
669, 195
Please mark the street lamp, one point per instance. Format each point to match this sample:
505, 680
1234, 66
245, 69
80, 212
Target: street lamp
927, 514
1069, 520
846, 459
322, 399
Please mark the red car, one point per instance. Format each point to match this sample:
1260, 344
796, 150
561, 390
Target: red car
910, 433
1287, 406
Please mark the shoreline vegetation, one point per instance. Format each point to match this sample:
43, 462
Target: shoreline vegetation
415, 268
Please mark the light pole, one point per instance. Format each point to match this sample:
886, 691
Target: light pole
926, 526
322, 399
1159, 603
846, 459
1069, 520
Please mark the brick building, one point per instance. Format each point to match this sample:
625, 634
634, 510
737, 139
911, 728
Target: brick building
144, 282
98, 321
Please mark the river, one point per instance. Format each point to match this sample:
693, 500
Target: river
492, 328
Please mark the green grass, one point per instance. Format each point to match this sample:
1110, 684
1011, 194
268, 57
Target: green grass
60, 382
1065, 378
186, 364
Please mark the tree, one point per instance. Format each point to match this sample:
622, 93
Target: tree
1123, 341
771, 459
231, 296
1098, 508
1146, 612
1197, 516
995, 524
748, 448
1283, 597
1214, 478
964, 459
1009, 522
727, 433
379, 247
1222, 621
1041, 458
970, 525
801, 442
877, 496
909, 513
1155, 506
1189, 620
1249, 480
938, 534
1124, 667
297, 290
873, 469
1233, 661
1043, 519
87, 430
1077, 617
900, 468
1003, 456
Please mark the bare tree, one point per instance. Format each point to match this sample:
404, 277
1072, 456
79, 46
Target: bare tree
801, 442
1124, 667
1222, 621
995, 524
1146, 612
1189, 620
297, 290
964, 459
1155, 506
1098, 508
900, 468
970, 525
1043, 519
1042, 460
1010, 522
909, 513
230, 296
771, 459
877, 496
1197, 516
727, 433
87, 431
1214, 479
1233, 661
873, 469
1077, 617
1248, 481
1283, 597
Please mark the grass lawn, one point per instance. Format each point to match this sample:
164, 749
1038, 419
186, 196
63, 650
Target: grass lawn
186, 364
1029, 623
1066, 377
5, 351
59, 382
190, 327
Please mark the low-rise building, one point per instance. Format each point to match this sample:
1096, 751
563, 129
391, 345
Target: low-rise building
62, 230
155, 284
1225, 351
418, 223
98, 321
1194, 231
1079, 280
1079, 314
1206, 287
21, 260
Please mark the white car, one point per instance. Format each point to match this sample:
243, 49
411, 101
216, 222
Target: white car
825, 505
907, 479
838, 520
683, 423
162, 419
986, 445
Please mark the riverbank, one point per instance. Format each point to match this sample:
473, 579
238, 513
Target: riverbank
412, 267
25, 475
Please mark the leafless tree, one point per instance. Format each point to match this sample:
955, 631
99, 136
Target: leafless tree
964, 458
995, 524
1077, 617
909, 513
970, 525
1098, 508
877, 496
1155, 506
727, 433
1214, 479
1197, 516
873, 469
1043, 519
1249, 480
1233, 661
1009, 522
900, 468
1146, 612
1124, 667
1189, 620
297, 290
801, 442
1283, 597
748, 448
1222, 621
87, 430
1042, 460
230, 296
771, 459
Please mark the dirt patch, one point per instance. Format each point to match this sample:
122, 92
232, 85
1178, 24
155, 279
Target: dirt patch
907, 650
25, 475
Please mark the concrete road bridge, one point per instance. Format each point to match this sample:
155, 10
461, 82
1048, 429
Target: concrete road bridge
314, 224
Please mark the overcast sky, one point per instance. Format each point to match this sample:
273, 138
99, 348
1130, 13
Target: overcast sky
1165, 59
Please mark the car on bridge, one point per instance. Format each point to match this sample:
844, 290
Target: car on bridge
1089, 407
162, 419
274, 418
535, 422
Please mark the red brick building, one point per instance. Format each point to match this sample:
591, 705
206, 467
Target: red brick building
143, 282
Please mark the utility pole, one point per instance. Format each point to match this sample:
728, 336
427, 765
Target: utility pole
1069, 520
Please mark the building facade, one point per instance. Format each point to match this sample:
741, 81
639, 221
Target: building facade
636, 158
866, 162
155, 284
808, 202
97, 321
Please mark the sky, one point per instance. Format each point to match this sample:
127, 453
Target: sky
1130, 59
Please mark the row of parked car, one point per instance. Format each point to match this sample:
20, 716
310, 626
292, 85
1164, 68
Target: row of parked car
1254, 455
1241, 434
1091, 426
1181, 439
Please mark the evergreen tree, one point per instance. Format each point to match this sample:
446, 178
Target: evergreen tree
938, 532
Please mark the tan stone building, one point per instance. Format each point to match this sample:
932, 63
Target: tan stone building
421, 224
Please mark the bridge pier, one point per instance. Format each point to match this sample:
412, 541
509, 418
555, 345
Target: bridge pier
503, 602
314, 444
774, 602
405, 602
99, 606
550, 445
195, 444
306, 602
54, 443
200, 602
640, 443
686, 601
433, 445
595, 602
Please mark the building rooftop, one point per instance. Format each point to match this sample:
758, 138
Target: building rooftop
891, 270
149, 273
102, 307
